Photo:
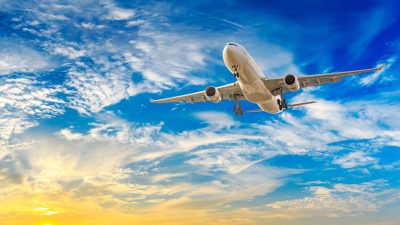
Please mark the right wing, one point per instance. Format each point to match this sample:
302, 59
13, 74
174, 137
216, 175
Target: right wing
274, 85
227, 93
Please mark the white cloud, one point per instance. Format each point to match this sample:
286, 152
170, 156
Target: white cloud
69, 135
166, 59
340, 199
355, 159
230, 22
117, 13
167, 176
336, 116
135, 23
112, 129
217, 120
19, 58
23, 101
55, 164
256, 181
370, 79
231, 158
90, 89
69, 52
90, 25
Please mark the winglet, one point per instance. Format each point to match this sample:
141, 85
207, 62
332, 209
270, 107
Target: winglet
381, 67
156, 101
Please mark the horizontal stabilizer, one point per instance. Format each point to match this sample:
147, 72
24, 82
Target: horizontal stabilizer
300, 104
254, 110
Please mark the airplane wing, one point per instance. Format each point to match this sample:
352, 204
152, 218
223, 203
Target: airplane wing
312, 80
227, 92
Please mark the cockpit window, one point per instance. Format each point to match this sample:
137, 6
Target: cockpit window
234, 44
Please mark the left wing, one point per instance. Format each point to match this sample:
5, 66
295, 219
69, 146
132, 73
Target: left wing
274, 85
227, 92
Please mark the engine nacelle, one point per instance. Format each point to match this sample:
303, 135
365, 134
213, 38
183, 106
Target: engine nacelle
212, 94
292, 83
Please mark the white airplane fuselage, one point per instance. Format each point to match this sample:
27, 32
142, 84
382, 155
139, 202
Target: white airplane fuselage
250, 77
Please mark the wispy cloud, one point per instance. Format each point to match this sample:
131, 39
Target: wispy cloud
117, 13
370, 79
89, 88
355, 159
69, 52
166, 58
371, 25
16, 57
23, 101
216, 120
74, 166
340, 199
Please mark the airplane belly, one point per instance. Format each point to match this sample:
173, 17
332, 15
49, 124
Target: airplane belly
251, 84
256, 92
270, 107
249, 72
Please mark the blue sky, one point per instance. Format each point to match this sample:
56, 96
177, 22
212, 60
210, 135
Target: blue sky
76, 78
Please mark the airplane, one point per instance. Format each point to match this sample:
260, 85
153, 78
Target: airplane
253, 86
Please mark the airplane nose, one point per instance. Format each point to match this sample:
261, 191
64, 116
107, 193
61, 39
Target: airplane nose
226, 50
230, 53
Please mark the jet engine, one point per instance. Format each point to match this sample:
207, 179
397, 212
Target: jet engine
212, 94
292, 83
